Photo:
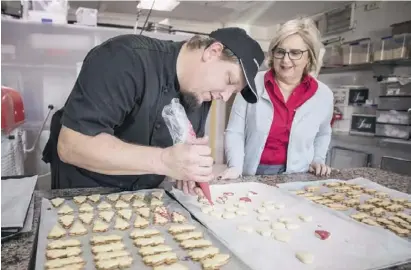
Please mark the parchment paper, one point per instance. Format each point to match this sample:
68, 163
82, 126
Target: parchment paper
352, 245
16, 195
49, 218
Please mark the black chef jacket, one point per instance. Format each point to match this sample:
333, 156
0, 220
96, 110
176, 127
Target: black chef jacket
121, 90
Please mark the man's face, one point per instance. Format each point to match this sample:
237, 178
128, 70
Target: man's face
213, 78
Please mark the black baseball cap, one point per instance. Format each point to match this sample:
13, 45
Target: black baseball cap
249, 53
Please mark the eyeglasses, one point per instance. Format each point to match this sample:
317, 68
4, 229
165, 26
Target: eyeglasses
292, 54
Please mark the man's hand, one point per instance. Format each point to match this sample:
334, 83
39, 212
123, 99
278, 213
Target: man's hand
189, 187
189, 162
320, 169
230, 173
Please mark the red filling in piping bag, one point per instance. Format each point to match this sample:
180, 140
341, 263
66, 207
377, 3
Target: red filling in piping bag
205, 187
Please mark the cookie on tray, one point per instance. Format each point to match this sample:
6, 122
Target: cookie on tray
366, 207
161, 258
404, 216
398, 231
56, 232
152, 250
351, 202
86, 218
395, 208
201, 254
337, 197
383, 203
359, 216
57, 202
312, 188
381, 195
399, 200
215, 262
377, 212
332, 184
353, 193
370, 221
369, 191
337, 206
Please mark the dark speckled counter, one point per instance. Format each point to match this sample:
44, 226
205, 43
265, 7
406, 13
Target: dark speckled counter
19, 253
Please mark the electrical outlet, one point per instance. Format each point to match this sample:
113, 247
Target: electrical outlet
372, 5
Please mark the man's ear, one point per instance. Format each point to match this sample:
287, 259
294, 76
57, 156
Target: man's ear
212, 51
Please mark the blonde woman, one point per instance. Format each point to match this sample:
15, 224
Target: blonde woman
288, 130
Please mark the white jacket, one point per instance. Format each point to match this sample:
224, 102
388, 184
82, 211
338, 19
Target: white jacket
250, 124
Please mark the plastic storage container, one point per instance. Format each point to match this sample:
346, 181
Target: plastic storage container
393, 131
393, 117
394, 103
357, 52
395, 88
383, 49
401, 46
333, 55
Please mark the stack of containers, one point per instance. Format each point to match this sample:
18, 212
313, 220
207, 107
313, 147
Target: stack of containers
394, 108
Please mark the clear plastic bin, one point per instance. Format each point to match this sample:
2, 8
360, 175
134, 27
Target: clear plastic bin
401, 46
395, 89
357, 52
383, 49
333, 55
393, 131
394, 103
393, 117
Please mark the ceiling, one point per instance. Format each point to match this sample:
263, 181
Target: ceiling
261, 13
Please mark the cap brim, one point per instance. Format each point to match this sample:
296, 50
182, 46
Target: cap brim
249, 92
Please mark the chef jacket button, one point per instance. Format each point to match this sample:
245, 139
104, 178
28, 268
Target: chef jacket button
158, 126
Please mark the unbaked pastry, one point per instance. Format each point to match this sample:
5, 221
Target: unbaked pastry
305, 257
106, 215
57, 202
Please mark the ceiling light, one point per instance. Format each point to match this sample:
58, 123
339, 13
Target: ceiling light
161, 5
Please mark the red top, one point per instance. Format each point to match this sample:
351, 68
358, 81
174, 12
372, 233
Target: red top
275, 150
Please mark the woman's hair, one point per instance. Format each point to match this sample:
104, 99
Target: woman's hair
199, 42
306, 29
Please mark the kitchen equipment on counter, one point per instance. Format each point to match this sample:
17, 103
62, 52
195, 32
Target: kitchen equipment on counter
16, 197
12, 109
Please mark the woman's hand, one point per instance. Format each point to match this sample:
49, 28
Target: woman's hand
230, 173
319, 169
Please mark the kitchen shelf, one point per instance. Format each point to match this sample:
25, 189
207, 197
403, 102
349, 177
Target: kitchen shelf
366, 66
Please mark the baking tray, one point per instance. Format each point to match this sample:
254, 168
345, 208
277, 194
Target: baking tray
352, 245
359, 181
49, 218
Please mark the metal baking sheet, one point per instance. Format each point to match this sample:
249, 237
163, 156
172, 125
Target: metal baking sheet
49, 218
359, 181
352, 245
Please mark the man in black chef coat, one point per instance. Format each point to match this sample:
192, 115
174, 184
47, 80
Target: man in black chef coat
111, 132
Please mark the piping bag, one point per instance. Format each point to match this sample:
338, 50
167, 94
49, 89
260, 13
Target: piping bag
182, 131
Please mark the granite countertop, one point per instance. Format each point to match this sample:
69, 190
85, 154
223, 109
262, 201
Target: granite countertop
17, 253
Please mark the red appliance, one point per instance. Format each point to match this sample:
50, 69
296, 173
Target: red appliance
337, 115
12, 109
